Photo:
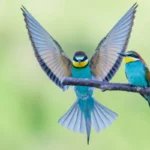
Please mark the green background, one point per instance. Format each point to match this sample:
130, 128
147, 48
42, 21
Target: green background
30, 104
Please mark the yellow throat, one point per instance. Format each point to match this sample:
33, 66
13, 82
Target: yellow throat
80, 64
129, 59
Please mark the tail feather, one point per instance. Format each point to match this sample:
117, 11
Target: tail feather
102, 117
80, 120
76, 127
97, 120
110, 115
82, 123
73, 119
88, 129
67, 117
79, 125
147, 97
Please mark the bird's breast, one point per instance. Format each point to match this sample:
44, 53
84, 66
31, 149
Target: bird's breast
82, 92
136, 73
84, 72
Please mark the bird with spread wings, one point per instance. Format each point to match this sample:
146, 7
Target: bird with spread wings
104, 63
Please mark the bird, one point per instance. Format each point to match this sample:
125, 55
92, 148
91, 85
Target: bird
137, 71
86, 110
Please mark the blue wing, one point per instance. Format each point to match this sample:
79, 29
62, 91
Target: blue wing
48, 52
105, 61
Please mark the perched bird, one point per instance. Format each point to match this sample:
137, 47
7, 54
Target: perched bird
104, 63
137, 72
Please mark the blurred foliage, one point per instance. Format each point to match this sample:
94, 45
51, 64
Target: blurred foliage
30, 104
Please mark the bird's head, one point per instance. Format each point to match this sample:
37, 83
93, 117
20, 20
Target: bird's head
131, 56
80, 59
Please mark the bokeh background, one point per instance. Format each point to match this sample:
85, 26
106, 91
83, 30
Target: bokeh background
30, 104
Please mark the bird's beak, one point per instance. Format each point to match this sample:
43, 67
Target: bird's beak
79, 61
122, 54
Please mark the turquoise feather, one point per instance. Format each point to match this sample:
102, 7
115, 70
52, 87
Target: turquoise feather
104, 63
137, 71
86, 111
136, 75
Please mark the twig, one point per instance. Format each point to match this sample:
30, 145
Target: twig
106, 86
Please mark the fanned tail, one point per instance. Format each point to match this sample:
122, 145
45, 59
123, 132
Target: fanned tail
85, 113
102, 117
74, 119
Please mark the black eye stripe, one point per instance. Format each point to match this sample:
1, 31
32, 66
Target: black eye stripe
132, 55
74, 58
85, 57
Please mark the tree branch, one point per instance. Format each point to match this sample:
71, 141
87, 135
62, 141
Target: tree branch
106, 86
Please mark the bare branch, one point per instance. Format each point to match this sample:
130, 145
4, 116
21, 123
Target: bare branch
106, 86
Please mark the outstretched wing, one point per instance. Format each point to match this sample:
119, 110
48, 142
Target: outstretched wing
48, 52
105, 61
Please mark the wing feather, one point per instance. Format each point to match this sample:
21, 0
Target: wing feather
48, 52
105, 61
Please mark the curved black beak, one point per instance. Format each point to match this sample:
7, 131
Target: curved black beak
122, 54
